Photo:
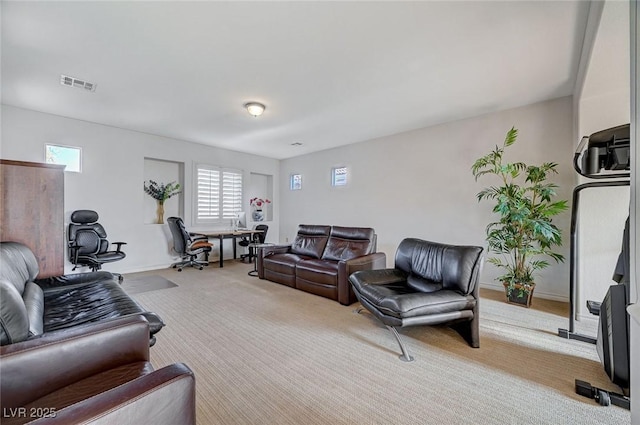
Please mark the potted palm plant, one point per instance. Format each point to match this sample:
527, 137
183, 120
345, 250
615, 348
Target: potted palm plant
524, 235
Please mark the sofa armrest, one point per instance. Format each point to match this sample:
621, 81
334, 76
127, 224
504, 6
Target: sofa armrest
75, 279
36, 367
267, 251
273, 249
379, 277
377, 260
163, 397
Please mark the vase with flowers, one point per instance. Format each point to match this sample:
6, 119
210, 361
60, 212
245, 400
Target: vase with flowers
161, 192
257, 204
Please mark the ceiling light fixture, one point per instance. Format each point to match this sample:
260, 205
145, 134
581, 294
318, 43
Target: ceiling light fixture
254, 108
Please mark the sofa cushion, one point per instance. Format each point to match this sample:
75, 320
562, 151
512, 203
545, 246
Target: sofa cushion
283, 263
311, 240
399, 300
81, 304
324, 272
319, 277
281, 267
452, 265
423, 285
346, 243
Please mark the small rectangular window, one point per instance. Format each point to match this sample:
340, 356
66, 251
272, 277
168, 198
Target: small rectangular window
296, 182
64, 155
339, 176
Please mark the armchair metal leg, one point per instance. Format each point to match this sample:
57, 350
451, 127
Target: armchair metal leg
405, 357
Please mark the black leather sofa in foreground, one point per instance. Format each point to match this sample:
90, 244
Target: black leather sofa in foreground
30, 308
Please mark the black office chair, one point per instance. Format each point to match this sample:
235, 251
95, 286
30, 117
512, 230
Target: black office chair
88, 244
188, 245
259, 237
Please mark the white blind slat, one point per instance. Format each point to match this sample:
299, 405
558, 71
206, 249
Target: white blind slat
219, 193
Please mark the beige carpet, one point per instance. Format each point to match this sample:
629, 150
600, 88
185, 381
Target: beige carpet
264, 353
139, 283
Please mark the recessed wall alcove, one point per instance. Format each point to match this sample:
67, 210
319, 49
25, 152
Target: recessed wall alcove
260, 186
162, 171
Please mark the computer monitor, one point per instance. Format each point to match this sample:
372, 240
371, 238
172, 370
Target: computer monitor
242, 220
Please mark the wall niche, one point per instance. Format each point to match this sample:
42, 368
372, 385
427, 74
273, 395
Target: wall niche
260, 186
163, 171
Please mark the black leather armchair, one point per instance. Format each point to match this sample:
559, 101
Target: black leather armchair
188, 245
88, 244
431, 284
98, 373
30, 307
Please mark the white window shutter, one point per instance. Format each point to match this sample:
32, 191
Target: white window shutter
219, 193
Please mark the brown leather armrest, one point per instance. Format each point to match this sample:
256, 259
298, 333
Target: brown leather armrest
273, 249
267, 251
163, 397
377, 260
38, 366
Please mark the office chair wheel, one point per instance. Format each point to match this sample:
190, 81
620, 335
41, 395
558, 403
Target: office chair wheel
200, 268
602, 397
180, 269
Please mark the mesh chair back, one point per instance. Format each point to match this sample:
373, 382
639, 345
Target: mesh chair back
261, 237
86, 232
88, 240
180, 235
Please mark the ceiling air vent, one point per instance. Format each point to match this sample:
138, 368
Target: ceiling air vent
65, 80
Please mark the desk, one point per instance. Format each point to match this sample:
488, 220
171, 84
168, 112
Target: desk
228, 234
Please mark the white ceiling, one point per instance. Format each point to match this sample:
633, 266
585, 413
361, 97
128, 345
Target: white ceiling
330, 73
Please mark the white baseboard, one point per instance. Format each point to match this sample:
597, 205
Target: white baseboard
537, 293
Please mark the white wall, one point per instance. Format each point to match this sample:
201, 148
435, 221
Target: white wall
603, 102
419, 183
112, 177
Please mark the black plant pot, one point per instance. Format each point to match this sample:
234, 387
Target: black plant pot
515, 298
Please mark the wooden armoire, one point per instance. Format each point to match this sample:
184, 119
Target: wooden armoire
32, 211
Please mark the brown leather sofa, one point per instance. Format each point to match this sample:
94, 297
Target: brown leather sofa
320, 260
98, 374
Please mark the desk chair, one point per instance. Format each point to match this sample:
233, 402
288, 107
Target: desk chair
88, 244
188, 245
256, 238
